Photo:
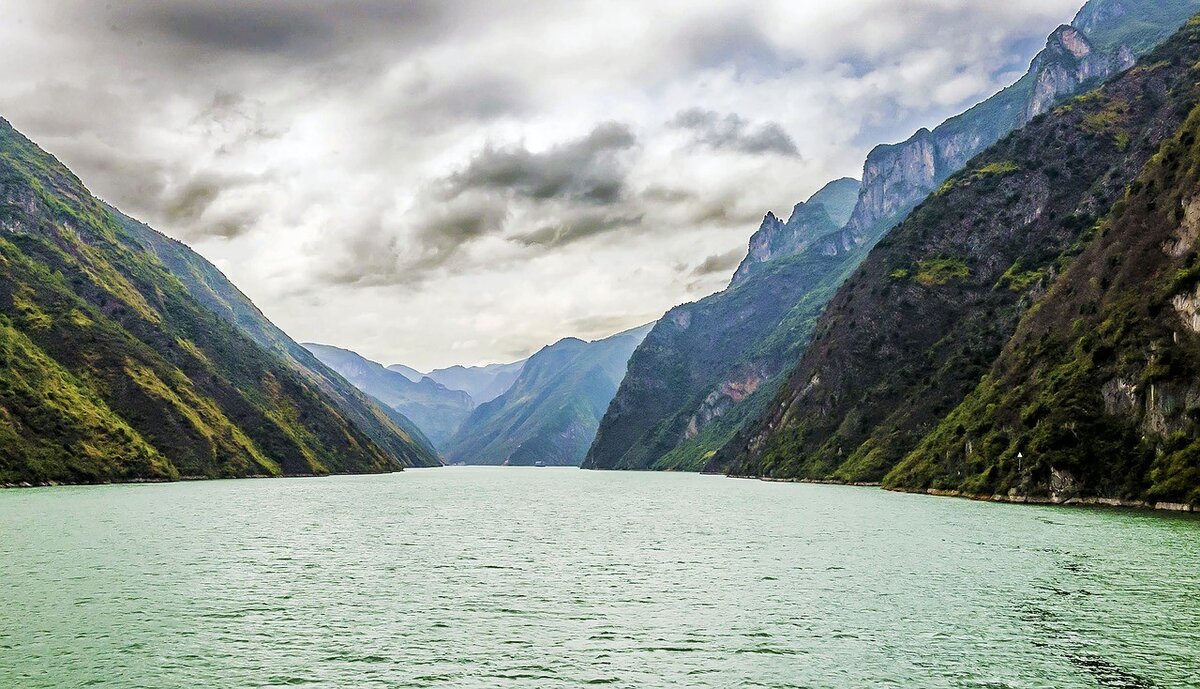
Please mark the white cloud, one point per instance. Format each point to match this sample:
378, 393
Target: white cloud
307, 147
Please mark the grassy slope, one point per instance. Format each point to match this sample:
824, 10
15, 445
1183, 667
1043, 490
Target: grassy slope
90, 316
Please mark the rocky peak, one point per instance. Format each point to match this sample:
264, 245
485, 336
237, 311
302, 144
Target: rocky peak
824, 212
897, 177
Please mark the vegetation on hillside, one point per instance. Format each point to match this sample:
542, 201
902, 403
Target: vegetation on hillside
90, 316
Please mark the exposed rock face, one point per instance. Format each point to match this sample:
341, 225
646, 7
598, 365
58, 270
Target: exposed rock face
670, 413
1068, 61
909, 336
897, 177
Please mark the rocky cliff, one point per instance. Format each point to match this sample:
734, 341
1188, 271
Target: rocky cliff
1097, 393
689, 389
912, 332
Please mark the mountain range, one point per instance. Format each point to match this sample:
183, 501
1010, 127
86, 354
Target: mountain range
1030, 331
712, 368
546, 409
551, 412
1004, 307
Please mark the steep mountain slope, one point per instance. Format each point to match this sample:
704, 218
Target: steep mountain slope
435, 409
1098, 392
550, 413
667, 413
482, 383
205, 283
911, 333
681, 402
112, 371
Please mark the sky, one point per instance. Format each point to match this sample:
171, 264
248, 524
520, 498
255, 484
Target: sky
434, 182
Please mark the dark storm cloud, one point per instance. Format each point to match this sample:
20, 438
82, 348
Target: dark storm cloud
733, 132
294, 28
240, 28
584, 170
719, 263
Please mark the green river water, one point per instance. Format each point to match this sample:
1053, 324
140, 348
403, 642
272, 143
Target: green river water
495, 577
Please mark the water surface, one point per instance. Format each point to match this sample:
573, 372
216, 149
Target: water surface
493, 577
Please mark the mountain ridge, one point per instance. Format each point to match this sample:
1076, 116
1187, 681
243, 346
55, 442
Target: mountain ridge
678, 406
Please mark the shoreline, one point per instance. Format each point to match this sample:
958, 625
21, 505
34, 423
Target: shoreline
185, 479
1161, 506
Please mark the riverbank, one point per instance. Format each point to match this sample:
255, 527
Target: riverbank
1012, 499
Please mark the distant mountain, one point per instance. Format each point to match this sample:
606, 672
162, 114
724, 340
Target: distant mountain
1030, 331
434, 408
709, 368
113, 371
410, 373
482, 383
551, 412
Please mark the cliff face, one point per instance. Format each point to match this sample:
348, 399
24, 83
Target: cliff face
897, 177
690, 389
923, 318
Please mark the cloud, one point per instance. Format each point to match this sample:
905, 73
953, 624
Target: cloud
582, 226
455, 182
719, 263
586, 169
733, 132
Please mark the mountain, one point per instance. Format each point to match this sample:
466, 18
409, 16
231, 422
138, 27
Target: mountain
826, 211
482, 383
1097, 393
435, 409
691, 388
550, 413
995, 317
206, 284
112, 371
408, 372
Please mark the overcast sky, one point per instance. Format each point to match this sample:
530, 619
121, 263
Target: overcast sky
438, 182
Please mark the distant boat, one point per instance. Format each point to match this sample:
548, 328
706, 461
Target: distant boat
539, 463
